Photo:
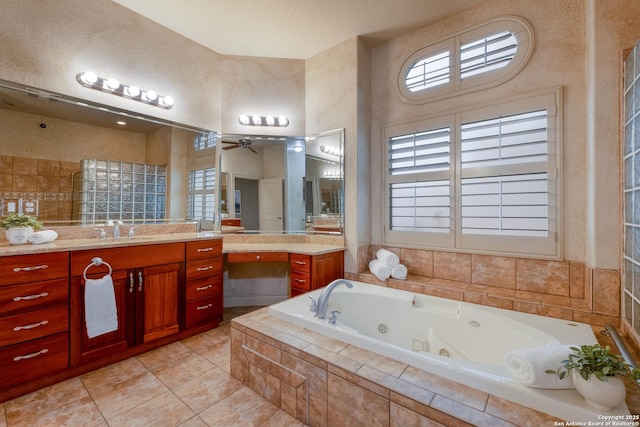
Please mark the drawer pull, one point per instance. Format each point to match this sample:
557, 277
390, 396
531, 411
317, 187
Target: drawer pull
300, 280
300, 262
204, 307
258, 257
139, 281
29, 356
34, 325
30, 297
204, 249
204, 288
32, 268
131, 283
209, 267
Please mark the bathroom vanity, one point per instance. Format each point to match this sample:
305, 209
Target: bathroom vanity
167, 287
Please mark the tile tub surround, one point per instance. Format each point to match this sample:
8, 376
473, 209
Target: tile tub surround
569, 290
322, 381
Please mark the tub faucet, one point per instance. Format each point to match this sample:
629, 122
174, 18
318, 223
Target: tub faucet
323, 300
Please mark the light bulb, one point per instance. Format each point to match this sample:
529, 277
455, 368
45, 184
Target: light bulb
151, 95
133, 91
168, 101
113, 84
244, 119
270, 120
256, 120
89, 77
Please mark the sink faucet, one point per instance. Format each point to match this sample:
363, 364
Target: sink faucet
116, 228
321, 310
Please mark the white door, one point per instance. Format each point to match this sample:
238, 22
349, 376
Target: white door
270, 202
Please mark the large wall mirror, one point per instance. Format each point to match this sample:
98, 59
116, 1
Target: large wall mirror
72, 162
283, 184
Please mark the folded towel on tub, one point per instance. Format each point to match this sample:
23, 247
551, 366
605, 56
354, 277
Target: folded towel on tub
388, 257
529, 365
100, 312
379, 269
399, 272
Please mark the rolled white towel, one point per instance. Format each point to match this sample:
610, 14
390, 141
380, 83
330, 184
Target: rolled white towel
388, 257
529, 365
399, 272
44, 236
379, 269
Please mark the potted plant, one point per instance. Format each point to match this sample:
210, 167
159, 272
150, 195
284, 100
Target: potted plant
597, 375
19, 227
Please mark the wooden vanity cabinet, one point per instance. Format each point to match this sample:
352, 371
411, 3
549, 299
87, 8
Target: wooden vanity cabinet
203, 293
34, 316
147, 283
309, 272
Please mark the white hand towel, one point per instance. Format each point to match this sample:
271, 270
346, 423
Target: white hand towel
100, 313
388, 257
379, 269
529, 366
44, 236
399, 272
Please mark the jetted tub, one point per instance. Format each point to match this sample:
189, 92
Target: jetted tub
460, 341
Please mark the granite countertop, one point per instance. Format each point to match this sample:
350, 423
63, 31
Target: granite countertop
64, 245
299, 248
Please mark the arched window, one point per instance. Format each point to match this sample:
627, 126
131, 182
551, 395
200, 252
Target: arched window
483, 57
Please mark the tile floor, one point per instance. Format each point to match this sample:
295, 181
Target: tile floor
186, 383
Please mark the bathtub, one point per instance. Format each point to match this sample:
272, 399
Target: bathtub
460, 341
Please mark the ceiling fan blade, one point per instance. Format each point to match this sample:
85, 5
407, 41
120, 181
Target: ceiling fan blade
230, 147
231, 142
250, 148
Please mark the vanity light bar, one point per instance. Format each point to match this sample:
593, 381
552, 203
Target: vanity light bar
331, 150
333, 173
91, 80
255, 120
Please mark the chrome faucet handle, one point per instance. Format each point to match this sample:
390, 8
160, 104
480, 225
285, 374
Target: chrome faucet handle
333, 317
313, 306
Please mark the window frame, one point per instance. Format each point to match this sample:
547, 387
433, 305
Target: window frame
546, 247
457, 86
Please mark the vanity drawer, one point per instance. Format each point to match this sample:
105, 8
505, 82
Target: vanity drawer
203, 310
301, 263
34, 324
33, 268
300, 280
201, 249
206, 287
204, 268
33, 359
33, 296
257, 256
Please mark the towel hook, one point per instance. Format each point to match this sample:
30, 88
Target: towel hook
96, 261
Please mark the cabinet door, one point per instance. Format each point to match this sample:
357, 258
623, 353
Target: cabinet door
158, 301
84, 348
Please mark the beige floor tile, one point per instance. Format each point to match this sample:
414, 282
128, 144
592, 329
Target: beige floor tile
83, 412
166, 355
113, 374
242, 408
163, 410
3, 417
282, 419
208, 389
194, 422
181, 371
128, 394
46, 399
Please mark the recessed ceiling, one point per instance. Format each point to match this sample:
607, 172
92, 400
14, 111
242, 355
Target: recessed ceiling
294, 29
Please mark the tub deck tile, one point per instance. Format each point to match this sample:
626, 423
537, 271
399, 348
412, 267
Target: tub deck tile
471, 415
287, 339
333, 358
305, 355
352, 405
357, 379
397, 386
374, 360
450, 389
504, 409
328, 343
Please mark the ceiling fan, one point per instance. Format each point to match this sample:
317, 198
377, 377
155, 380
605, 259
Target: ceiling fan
242, 142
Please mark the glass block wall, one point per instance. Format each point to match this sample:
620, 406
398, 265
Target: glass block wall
106, 189
631, 178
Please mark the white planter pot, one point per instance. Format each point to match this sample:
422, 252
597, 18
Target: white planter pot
602, 395
18, 235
